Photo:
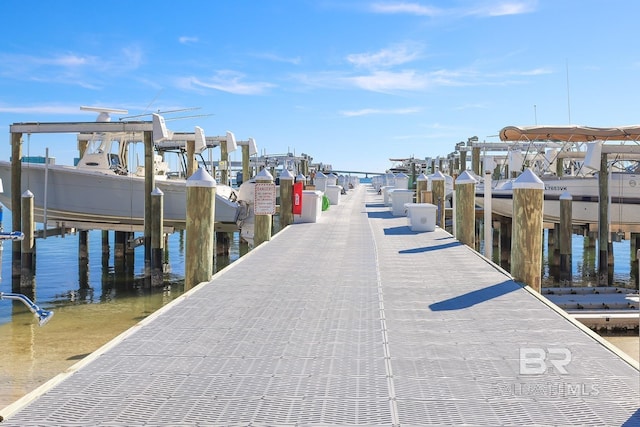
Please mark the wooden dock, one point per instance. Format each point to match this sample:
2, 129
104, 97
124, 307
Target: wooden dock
354, 320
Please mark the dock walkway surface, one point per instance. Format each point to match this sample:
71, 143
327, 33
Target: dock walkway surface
353, 320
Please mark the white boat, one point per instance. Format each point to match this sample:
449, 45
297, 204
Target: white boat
624, 193
624, 182
103, 191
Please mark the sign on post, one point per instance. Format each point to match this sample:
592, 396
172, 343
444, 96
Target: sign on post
264, 202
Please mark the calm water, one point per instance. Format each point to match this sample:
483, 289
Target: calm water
93, 304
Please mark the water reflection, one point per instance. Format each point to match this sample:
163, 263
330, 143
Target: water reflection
95, 298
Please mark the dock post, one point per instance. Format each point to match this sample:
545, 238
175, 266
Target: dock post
223, 243
192, 165
463, 160
263, 223
120, 241
566, 215
421, 185
553, 249
16, 192
475, 160
505, 241
437, 190
105, 249
526, 244
634, 245
28, 243
488, 211
149, 185
246, 163
603, 222
223, 165
157, 241
465, 209
200, 245
286, 198
83, 245
303, 179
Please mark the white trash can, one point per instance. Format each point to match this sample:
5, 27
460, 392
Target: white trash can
333, 194
385, 194
311, 207
320, 182
421, 216
399, 198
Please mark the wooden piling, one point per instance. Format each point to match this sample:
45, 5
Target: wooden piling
157, 240
301, 178
506, 227
27, 228
634, 245
149, 185
286, 198
553, 249
246, 163
16, 202
422, 183
603, 222
200, 245
105, 250
488, 213
120, 241
223, 165
438, 193
83, 245
526, 244
566, 215
263, 212
192, 164
475, 160
465, 209
463, 161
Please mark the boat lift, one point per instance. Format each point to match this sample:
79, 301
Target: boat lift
43, 315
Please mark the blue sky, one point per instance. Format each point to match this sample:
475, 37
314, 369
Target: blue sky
350, 82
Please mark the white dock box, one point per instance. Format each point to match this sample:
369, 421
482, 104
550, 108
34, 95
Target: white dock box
399, 198
421, 216
385, 194
333, 193
311, 206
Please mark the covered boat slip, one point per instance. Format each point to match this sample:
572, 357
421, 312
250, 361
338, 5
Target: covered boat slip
353, 320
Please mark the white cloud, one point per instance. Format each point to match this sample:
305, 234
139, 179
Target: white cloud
394, 55
507, 8
386, 81
372, 111
277, 58
188, 40
404, 7
489, 9
226, 81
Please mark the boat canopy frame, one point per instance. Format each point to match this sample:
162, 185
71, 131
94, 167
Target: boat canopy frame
570, 133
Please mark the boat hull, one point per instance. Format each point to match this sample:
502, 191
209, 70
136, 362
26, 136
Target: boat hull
76, 195
624, 191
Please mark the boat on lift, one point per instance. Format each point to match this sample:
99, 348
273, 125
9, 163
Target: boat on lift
104, 190
583, 183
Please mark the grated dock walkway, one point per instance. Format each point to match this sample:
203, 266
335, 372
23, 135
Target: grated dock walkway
354, 320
